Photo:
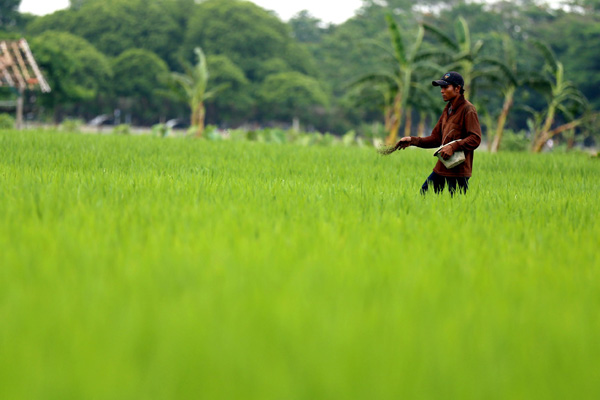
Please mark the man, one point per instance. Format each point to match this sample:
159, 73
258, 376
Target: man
459, 122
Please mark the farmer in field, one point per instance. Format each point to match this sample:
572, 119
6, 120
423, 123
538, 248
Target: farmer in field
459, 133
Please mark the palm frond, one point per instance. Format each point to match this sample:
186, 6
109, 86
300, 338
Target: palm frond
180, 78
427, 54
417, 44
390, 60
396, 39
438, 54
503, 67
510, 53
477, 47
370, 43
424, 96
463, 56
184, 82
188, 69
373, 78
177, 87
537, 82
427, 65
547, 53
461, 30
441, 36
527, 109
452, 66
489, 74
574, 97
569, 115
214, 91
370, 95
201, 66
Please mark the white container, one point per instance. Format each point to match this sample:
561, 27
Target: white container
457, 158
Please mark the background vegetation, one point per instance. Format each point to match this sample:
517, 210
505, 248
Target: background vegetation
303, 69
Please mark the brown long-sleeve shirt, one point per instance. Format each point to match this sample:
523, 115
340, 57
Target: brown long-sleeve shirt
463, 125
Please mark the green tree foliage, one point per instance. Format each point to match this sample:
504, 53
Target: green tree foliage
561, 95
114, 26
573, 47
306, 28
481, 17
462, 54
246, 34
235, 101
506, 78
271, 66
347, 51
398, 82
290, 95
138, 71
76, 71
590, 6
77, 4
61, 20
248, 45
139, 79
9, 13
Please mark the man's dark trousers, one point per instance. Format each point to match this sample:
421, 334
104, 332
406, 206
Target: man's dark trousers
439, 182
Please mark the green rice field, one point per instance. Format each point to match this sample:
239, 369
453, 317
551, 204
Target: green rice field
153, 268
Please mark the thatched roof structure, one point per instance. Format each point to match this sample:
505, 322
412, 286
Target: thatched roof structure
18, 68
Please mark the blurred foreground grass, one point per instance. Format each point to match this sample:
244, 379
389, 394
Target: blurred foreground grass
136, 267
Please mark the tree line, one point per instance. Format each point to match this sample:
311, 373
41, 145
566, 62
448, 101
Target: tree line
371, 74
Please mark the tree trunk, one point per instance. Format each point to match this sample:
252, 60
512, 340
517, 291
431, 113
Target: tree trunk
539, 142
496, 142
408, 123
194, 117
396, 120
57, 113
421, 125
20, 100
487, 120
467, 68
200, 122
571, 141
387, 118
570, 125
544, 134
508, 103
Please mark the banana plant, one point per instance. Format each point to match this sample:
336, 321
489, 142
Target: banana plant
397, 81
508, 78
560, 94
191, 87
461, 52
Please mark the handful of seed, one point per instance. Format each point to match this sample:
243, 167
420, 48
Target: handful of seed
386, 150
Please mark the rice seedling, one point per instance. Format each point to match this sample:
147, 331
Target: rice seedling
169, 268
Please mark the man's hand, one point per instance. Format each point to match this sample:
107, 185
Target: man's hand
403, 143
446, 152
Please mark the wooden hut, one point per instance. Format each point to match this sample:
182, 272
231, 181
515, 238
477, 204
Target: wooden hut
19, 70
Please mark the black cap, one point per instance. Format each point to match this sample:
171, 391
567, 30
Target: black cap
450, 78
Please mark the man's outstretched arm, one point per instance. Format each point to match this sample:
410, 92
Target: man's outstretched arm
434, 140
